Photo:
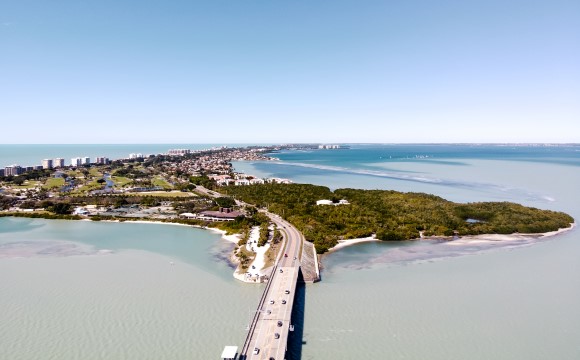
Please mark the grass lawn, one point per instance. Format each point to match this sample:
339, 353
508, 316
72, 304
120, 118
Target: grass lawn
159, 181
162, 194
95, 172
121, 181
28, 184
53, 183
93, 185
74, 173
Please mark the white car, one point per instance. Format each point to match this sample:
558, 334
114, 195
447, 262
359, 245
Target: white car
271, 302
256, 351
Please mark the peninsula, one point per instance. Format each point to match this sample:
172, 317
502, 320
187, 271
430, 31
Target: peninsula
201, 188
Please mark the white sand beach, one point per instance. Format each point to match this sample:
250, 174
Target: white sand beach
465, 240
489, 238
256, 267
349, 242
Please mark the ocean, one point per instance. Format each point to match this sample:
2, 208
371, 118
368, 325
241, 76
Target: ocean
85, 290
33, 154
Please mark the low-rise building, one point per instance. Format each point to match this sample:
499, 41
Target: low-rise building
330, 202
224, 214
180, 152
241, 182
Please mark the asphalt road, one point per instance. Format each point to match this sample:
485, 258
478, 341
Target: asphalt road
275, 310
270, 326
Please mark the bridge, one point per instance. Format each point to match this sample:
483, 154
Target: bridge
269, 329
268, 332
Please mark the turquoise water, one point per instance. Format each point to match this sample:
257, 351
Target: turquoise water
109, 291
32, 154
85, 290
427, 301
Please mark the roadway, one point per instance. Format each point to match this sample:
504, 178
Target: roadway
269, 329
273, 315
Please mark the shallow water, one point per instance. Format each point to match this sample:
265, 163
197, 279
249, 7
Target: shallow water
415, 300
109, 291
162, 292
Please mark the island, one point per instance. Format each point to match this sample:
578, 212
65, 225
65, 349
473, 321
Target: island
201, 188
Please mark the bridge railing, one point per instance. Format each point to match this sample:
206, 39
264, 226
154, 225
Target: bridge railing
257, 314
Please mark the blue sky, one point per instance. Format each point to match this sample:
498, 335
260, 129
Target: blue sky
289, 71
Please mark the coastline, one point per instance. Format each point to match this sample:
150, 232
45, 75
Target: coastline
350, 242
233, 238
469, 240
489, 238
464, 240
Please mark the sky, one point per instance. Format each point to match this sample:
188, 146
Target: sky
277, 71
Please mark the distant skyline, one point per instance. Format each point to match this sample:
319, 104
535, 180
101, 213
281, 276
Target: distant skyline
225, 71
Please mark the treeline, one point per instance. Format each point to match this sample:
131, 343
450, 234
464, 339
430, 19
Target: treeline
391, 215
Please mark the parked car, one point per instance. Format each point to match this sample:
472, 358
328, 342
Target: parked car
271, 302
286, 291
283, 302
256, 351
276, 336
280, 323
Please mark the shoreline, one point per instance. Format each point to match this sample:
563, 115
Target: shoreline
350, 242
233, 238
464, 240
481, 239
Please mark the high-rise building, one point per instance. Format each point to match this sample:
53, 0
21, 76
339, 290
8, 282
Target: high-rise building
85, 160
59, 162
101, 160
75, 161
135, 156
47, 164
12, 170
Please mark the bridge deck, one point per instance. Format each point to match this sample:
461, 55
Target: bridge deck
273, 318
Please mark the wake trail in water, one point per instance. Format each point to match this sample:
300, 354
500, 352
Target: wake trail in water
519, 193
